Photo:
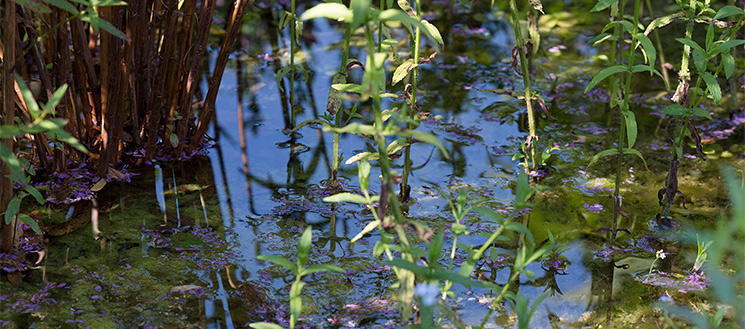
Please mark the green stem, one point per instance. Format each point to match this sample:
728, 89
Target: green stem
684, 76
494, 304
526, 82
340, 112
412, 108
292, 64
622, 131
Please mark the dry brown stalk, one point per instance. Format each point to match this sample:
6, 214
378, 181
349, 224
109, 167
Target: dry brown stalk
208, 109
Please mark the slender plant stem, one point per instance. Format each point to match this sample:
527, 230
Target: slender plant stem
412, 108
622, 131
683, 76
340, 112
520, 43
658, 43
292, 64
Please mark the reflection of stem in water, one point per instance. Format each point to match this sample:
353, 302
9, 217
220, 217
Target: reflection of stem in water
273, 39
224, 299
159, 193
94, 218
226, 190
242, 130
175, 194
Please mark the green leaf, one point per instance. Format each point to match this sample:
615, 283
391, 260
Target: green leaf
435, 249
345, 197
675, 109
729, 65
728, 11
635, 152
523, 191
701, 112
436, 36
489, 213
15, 166
97, 22
662, 21
366, 156
320, 268
627, 26
56, 98
173, 138
724, 46
334, 102
602, 154
409, 22
28, 96
12, 210
691, 43
334, 11
363, 173
713, 85
454, 277
30, 222
648, 46
8, 131
64, 5
36, 6
407, 265
55, 126
354, 128
348, 87
296, 302
699, 59
602, 5
631, 129
279, 260
360, 8
303, 248
265, 325
604, 74
35, 193
402, 71
710, 35
303, 124
368, 228
429, 139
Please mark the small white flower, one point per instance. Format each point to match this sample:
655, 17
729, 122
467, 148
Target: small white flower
660, 254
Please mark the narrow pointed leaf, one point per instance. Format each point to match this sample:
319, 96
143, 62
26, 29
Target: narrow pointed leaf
713, 85
631, 129
604, 74
281, 261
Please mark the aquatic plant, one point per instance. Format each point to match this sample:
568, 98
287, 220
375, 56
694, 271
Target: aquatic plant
725, 250
621, 92
300, 270
686, 106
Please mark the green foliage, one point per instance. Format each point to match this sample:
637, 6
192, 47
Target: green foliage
296, 302
52, 128
88, 14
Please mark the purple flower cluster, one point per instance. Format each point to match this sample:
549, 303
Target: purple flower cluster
75, 184
14, 304
163, 239
692, 282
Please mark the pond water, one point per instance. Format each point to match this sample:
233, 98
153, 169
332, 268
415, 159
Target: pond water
257, 189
